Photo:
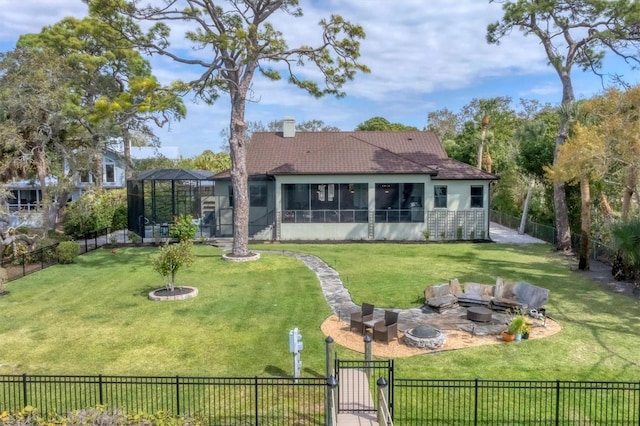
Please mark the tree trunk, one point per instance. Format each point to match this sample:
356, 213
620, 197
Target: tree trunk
629, 189
525, 209
484, 124
480, 154
41, 171
239, 178
96, 157
126, 143
585, 224
559, 195
606, 208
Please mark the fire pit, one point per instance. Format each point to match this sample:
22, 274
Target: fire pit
424, 336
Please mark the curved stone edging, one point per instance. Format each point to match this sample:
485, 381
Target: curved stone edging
191, 294
230, 258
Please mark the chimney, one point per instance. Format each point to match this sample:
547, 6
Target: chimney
289, 127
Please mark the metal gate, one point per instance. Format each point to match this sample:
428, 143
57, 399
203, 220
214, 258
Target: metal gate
357, 384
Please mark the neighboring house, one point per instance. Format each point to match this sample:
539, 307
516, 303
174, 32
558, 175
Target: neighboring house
113, 170
357, 186
27, 194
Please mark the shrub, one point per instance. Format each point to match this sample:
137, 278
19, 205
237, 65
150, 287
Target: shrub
68, 251
120, 217
183, 228
134, 238
626, 239
171, 258
97, 416
53, 236
96, 209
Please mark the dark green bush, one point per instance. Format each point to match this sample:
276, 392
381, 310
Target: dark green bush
68, 251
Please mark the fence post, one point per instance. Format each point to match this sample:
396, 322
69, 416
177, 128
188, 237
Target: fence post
178, 395
332, 384
367, 355
24, 390
383, 397
475, 407
557, 402
100, 390
255, 398
328, 342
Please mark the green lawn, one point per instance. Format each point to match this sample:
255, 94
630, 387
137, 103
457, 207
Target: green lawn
93, 317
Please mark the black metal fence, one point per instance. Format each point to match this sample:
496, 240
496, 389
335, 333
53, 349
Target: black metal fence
223, 401
26, 263
287, 401
491, 402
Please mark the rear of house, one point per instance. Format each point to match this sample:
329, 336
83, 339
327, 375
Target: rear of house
357, 186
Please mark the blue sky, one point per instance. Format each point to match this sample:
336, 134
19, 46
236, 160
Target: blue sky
423, 56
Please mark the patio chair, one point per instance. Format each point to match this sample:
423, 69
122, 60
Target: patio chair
359, 318
387, 329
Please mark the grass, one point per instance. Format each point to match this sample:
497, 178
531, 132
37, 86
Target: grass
599, 340
93, 317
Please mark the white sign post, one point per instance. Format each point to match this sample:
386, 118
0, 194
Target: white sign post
295, 346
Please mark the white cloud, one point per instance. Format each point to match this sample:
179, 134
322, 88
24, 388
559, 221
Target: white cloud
422, 55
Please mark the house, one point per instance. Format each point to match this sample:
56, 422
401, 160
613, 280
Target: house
27, 195
357, 186
113, 166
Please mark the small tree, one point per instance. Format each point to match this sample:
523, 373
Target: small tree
171, 258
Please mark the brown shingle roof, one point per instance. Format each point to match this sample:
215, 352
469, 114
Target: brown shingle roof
354, 153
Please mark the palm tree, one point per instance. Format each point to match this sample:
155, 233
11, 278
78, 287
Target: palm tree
626, 238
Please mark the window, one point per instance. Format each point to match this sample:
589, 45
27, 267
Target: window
399, 202
477, 197
85, 176
109, 173
258, 195
325, 202
440, 197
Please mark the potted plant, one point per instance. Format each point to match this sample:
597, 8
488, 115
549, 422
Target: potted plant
526, 331
517, 326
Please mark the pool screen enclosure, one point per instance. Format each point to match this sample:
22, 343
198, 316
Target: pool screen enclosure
156, 197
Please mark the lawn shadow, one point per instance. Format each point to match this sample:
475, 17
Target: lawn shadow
274, 371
